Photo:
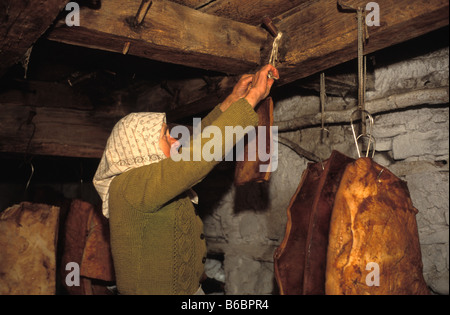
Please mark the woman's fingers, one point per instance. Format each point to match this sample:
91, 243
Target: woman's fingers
270, 69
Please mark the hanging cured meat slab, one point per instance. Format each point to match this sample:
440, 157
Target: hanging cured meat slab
86, 242
373, 241
289, 258
249, 170
300, 260
28, 237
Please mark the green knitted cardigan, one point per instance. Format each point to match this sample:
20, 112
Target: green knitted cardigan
157, 239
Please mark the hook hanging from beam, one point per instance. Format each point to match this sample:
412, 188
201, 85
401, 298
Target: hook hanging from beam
27, 158
363, 36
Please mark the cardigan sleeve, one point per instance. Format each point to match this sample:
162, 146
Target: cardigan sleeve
149, 187
212, 116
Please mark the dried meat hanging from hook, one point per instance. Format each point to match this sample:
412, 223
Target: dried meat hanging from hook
86, 241
351, 229
300, 260
254, 167
373, 241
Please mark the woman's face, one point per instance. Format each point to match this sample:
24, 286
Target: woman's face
166, 141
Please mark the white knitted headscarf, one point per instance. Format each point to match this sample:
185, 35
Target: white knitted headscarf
134, 142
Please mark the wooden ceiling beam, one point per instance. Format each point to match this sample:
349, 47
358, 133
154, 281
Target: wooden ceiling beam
42, 118
170, 33
21, 24
53, 131
250, 11
318, 35
195, 4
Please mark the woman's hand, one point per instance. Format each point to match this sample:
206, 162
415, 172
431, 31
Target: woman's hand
239, 91
253, 87
261, 85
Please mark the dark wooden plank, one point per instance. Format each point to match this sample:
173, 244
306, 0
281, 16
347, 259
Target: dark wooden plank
48, 94
195, 4
54, 130
21, 24
171, 33
206, 99
250, 11
319, 36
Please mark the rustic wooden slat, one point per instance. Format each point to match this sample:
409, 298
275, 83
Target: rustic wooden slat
207, 102
21, 24
319, 36
250, 11
195, 4
170, 32
48, 94
57, 131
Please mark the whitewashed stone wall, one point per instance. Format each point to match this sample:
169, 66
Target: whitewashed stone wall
248, 224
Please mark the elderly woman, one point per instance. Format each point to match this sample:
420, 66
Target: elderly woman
157, 239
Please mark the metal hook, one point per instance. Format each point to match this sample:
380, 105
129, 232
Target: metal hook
371, 140
323, 98
379, 175
27, 159
363, 119
31, 176
365, 134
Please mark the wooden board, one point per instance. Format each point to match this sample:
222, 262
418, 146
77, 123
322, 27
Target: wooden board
195, 4
318, 35
54, 131
170, 32
250, 11
21, 24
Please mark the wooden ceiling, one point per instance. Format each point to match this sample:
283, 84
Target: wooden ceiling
225, 38
219, 35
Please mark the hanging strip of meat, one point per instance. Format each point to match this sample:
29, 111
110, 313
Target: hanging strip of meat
373, 241
300, 261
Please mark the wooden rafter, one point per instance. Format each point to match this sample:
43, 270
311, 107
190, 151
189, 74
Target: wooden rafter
170, 32
250, 11
319, 35
21, 24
